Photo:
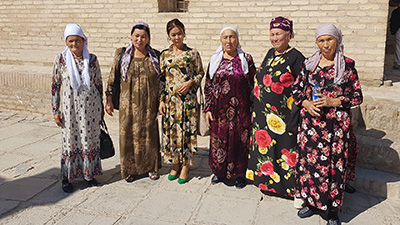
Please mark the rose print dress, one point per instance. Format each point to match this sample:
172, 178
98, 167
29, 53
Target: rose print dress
324, 141
228, 97
81, 115
273, 149
179, 138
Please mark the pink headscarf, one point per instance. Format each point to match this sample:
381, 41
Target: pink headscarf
312, 62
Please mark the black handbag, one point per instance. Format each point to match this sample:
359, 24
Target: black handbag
116, 86
106, 145
294, 119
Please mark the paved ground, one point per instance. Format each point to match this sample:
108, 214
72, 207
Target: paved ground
30, 190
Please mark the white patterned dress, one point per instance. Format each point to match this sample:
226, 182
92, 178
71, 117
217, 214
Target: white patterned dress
81, 114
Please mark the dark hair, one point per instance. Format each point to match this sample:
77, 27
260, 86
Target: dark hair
141, 27
175, 23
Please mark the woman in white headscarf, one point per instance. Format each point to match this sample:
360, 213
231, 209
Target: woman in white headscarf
229, 83
78, 74
324, 130
138, 70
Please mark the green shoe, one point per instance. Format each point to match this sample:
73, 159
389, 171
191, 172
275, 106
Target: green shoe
182, 181
172, 177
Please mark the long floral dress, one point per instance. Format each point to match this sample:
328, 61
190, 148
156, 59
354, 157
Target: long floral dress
179, 138
324, 141
273, 149
138, 128
228, 98
81, 116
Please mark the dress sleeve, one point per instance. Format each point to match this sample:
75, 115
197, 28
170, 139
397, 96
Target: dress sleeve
98, 81
297, 64
299, 86
352, 90
56, 82
198, 70
111, 77
208, 92
163, 71
250, 76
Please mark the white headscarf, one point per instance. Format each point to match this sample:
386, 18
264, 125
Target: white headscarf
75, 29
312, 62
219, 53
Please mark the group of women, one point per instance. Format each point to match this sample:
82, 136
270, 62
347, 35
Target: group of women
250, 112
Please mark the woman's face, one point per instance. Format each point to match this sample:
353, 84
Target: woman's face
75, 44
327, 45
279, 39
176, 35
229, 40
140, 39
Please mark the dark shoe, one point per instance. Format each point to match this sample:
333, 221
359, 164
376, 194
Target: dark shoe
349, 189
240, 182
334, 222
154, 175
215, 179
67, 186
92, 182
307, 211
130, 178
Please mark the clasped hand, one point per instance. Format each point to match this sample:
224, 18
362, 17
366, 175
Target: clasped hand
314, 107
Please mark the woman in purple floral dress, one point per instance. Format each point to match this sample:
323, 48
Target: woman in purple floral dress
324, 130
229, 83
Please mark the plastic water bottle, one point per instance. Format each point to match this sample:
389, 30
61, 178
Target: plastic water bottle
316, 90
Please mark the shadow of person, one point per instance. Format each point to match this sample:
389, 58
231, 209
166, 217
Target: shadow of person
42, 191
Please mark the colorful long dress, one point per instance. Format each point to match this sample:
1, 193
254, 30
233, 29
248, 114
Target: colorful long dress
324, 141
228, 98
81, 116
138, 128
179, 138
273, 149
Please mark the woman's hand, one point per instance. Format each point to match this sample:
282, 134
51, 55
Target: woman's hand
162, 109
109, 106
58, 119
185, 87
326, 101
311, 108
208, 118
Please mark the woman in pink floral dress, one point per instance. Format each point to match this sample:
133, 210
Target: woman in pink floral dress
324, 130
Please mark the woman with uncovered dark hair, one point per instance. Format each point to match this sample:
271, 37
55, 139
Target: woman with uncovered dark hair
138, 130
181, 74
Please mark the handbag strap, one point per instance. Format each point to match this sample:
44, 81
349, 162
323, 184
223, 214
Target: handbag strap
117, 79
103, 124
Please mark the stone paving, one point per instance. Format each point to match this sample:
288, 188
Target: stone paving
30, 189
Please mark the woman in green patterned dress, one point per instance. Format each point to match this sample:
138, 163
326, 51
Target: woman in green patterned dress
181, 73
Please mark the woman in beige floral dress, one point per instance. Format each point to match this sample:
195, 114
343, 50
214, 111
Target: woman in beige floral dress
181, 73
138, 132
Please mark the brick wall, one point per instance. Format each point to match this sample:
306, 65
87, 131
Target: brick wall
32, 30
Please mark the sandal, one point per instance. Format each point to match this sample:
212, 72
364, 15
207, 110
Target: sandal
154, 175
130, 178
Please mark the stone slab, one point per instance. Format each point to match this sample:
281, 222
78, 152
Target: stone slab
33, 214
120, 202
168, 205
78, 218
7, 205
216, 209
24, 188
143, 221
11, 160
